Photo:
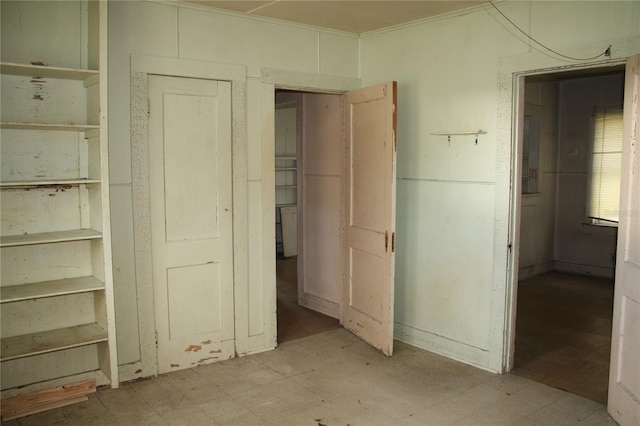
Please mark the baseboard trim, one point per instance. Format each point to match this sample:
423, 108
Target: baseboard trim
578, 268
533, 270
321, 305
441, 345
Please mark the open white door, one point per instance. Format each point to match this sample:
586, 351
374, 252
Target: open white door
624, 374
370, 182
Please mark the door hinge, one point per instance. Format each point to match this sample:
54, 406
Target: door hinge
148, 106
393, 242
386, 241
156, 338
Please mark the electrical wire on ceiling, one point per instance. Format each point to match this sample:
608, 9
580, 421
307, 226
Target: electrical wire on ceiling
606, 53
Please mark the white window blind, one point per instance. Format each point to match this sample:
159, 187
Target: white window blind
606, 160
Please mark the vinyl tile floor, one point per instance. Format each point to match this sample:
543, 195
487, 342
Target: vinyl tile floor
331, 378
563, 332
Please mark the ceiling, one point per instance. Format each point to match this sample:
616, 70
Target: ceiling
354, 16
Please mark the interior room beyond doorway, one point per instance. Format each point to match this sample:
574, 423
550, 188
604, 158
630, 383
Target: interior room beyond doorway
307, 213
567, 247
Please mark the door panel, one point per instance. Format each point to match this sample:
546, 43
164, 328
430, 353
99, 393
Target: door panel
366, 268
367, 295
369, 163
191, 220
624, 374
191, 291
190, 214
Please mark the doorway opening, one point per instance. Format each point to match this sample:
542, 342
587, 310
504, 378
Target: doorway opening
308, 179
345, 182
564, 281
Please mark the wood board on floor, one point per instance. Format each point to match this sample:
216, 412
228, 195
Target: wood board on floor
47, 399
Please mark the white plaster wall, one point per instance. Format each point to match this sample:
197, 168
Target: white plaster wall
580, 248
195, 33
454, 75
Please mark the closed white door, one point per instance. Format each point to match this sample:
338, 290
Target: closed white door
191, 220
624, 373
367, 292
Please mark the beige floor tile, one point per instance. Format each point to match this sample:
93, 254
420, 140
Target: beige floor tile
200, 392
293, 367
124, 402
252, 370
183, 413
156, 391
485, 394
273, 410
45, 418
568, 409
326, 377
222, 405
334, 413
534, 397
243, 417
508, 383
600, 417
93, 421
284, 351
92, 408
439, 414
297, 396
494, 415
264, 376
142, 418
254, 396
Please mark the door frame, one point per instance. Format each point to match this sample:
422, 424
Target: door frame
516, 198
272, 80
141, 67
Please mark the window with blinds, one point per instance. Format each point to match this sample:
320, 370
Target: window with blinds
606, 159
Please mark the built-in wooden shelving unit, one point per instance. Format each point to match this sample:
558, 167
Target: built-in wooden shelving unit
56, 287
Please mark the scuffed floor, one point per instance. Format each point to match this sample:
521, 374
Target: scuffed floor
331, 379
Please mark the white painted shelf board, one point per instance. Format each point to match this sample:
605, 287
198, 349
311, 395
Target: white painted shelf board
17, 293
53, 182
286, 205
47, 126
286, 186
44, 71
49, 237
286, 157
51, 341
